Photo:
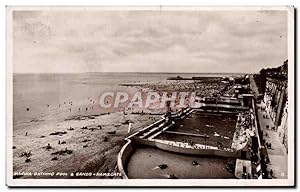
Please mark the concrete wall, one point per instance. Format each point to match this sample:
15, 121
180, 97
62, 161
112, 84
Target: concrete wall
255, 122
142, 131
245, 149
139, 141
283, 128
123, 157
128, 149
187, 151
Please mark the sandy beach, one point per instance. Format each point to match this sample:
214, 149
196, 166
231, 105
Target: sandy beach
92, 148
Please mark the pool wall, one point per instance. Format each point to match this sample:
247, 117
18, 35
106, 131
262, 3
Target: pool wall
129, 147
123, 157
134, 139
186, 151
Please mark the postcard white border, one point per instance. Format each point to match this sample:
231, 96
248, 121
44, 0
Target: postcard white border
152, 182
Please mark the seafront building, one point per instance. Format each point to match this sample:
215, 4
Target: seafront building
276, 101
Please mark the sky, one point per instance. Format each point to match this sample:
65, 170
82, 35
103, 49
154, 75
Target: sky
57, 41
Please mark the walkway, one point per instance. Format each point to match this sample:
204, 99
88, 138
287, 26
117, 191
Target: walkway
277, 155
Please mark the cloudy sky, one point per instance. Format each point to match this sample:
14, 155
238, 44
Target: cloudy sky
148, 41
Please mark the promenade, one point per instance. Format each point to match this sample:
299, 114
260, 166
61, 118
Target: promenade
277, 154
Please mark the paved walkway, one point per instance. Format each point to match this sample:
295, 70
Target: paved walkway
277, 155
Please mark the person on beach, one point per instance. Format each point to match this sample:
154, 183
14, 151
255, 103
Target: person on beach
48, 146
79, 109
271, 173
27, 160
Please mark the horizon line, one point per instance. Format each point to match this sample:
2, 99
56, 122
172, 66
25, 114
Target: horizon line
135, 72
